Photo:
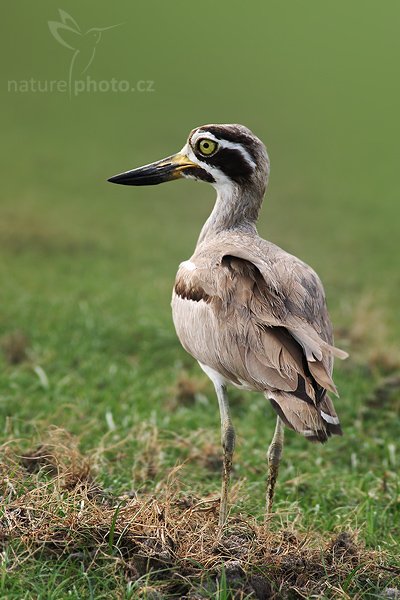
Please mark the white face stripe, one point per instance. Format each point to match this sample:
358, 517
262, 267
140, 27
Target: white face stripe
224, 144
219, 177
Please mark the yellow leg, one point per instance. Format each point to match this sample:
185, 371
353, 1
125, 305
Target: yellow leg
274, 456
228, 445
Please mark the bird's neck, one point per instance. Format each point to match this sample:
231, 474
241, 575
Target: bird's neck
235, 208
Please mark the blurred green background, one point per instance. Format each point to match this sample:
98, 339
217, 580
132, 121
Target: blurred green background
87, 267
317, 82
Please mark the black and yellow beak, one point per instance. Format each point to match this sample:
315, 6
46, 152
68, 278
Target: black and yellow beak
163, 170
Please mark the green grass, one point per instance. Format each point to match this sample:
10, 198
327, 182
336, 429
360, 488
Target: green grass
87, 268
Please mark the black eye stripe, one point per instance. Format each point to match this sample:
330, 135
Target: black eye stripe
236, 137
231, 162
200, 173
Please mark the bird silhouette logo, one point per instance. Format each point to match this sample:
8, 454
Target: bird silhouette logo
83, 44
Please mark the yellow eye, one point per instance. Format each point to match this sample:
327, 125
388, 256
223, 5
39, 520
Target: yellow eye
207, 147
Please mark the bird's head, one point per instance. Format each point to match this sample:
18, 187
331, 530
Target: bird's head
95, 33
230, 157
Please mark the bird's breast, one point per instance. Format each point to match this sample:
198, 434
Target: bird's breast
193, 315
194, 322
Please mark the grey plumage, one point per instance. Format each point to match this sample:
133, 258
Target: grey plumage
257, 316
251, 314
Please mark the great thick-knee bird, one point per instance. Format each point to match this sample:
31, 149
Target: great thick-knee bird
251, 314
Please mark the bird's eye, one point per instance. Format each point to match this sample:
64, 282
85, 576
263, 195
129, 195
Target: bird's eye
207, 147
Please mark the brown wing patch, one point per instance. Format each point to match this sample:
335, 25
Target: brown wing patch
190, 291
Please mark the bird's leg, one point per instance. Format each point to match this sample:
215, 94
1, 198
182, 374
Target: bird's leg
274, 456
228, 445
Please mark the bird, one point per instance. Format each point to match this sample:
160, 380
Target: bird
251, 314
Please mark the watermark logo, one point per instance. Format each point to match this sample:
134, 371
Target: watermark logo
82, 44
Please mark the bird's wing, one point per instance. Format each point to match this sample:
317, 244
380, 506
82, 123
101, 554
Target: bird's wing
65, 35
275, 330
294, 295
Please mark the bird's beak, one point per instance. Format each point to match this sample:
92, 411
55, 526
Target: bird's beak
106, 28
166, 169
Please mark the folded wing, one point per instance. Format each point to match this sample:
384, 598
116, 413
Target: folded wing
274, 333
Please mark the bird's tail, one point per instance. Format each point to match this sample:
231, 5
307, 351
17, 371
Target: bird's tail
317, 422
